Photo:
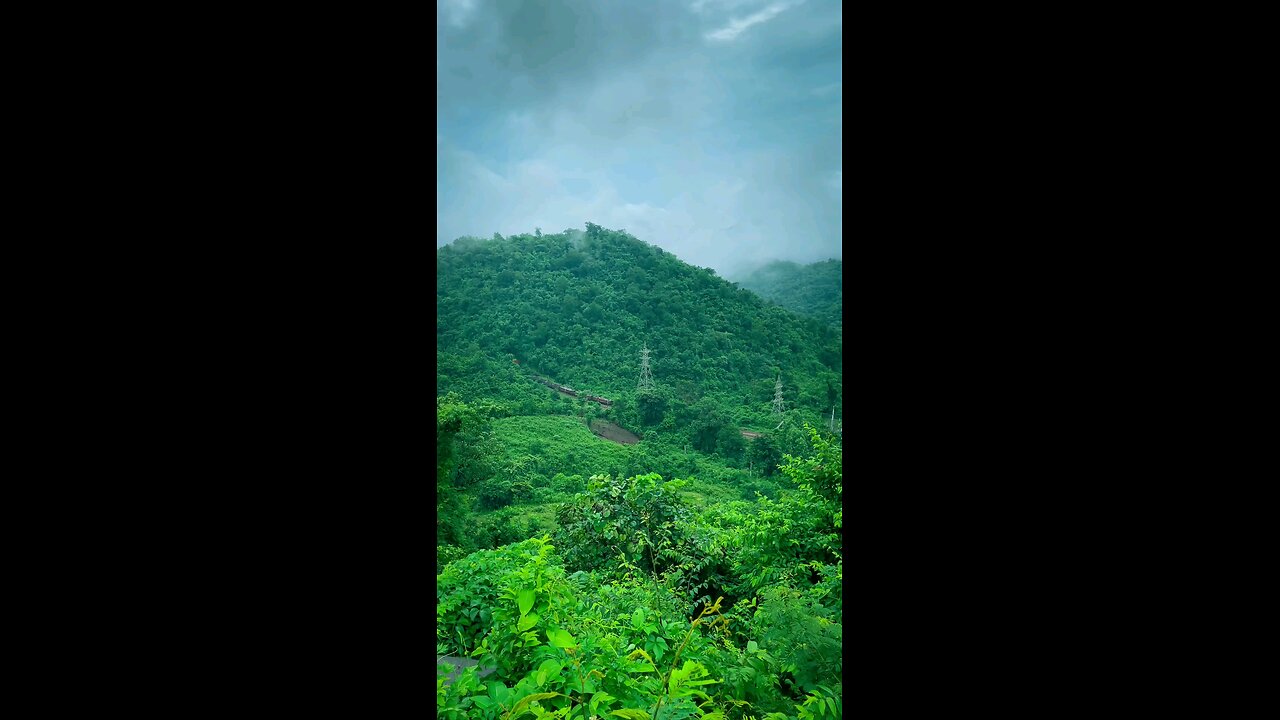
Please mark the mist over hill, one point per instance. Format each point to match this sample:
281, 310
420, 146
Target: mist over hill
814, 290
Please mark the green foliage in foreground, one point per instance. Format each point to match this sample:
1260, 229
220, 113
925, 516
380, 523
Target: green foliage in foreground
614, 619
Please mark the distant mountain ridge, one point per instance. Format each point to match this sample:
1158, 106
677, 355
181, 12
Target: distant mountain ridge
814, 290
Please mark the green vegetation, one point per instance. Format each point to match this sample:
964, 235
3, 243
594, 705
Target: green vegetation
693, 574
812, 290
577, 307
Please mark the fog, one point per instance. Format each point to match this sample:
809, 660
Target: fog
710, 128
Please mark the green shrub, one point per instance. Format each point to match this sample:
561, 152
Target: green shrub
521, 491
494, 493
446, 554
798, 632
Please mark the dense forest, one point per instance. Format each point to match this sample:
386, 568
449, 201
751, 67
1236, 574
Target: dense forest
638, 488
812, 290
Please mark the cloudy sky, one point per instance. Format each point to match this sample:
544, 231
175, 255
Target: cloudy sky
710, 128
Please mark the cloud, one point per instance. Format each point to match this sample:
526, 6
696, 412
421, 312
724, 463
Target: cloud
737, 26
705, 6
458, 12
572, 111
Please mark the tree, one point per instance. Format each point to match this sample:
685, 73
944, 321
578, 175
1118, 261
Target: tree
451, 416
651, 405
707, 423
764, 455
730, 444
821, 471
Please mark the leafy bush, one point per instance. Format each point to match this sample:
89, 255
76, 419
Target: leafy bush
567, 483
446, 554
494, 493
799, 633
521, 491
504, 526
468, 589
559, 651
603, 622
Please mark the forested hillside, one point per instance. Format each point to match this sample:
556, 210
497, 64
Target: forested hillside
814, 290
603, 550
578, 307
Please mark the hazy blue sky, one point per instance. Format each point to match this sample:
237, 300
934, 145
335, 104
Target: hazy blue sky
710, 128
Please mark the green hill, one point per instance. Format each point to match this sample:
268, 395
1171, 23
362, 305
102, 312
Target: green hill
577, 307
812, 290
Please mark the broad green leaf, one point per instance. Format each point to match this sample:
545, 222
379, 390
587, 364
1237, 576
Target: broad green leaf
637, 618
551, 668
528, 621
499, 692
484, 702
561, 638
522, 706
752, 646
580, 684
525, 600
713, 716
642, 667
631, 714
601, 697
832, 704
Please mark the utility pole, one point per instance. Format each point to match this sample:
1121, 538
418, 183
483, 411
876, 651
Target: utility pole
646, 380
778, 406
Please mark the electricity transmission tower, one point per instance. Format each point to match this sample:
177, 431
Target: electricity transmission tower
778, 406
646, 380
